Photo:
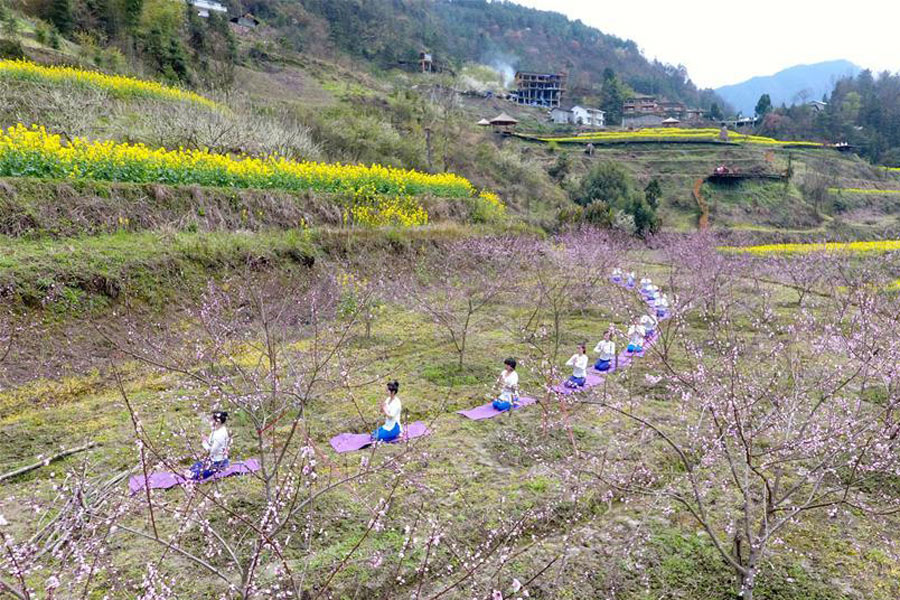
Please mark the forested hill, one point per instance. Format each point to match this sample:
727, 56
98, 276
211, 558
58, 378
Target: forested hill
461, 31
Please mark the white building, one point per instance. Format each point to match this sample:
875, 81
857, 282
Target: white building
579, 115
204, 7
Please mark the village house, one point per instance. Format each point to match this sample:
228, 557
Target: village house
244, 23
205, 7
640, 104
644, 111
578, 115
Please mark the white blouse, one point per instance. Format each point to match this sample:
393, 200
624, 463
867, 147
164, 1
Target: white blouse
392, 413
606, 349
579, 363
217, 444
648, 322
636, 335
509, 383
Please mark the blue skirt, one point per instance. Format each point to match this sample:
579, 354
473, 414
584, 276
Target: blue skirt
602, 365
660, 313
573, 382
203, 469
632, 348
501, 405
386, 435
650, 333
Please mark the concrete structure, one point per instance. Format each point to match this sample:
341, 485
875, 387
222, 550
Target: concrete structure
426, 62
244, 23
817, 105
204, 7
539, 89
639, 121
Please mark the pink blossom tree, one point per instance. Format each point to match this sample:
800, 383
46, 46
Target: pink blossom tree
767, 422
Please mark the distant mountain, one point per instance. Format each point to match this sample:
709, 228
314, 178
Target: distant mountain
790, 86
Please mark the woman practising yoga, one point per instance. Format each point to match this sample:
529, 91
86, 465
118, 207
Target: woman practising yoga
636, 334
509, 386
649, 323
617, 275
606, 349
391, 409
662, 306
217, 445
579, 363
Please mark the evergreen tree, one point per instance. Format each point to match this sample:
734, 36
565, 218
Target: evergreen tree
60, 14
763, 106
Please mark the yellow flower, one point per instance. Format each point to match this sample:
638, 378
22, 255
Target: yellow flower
117, 85
877, 246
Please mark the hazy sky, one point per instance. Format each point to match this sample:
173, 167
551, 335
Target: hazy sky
722, 43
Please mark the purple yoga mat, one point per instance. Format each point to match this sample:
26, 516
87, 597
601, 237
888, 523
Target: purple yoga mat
348, 442
486, 411
163, 480
593, 378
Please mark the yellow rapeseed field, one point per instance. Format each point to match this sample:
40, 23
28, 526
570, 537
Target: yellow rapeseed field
877, 246
375, 195
117, 85
663, 134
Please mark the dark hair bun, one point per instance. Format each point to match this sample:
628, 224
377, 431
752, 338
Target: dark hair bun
393, 386
511, 362
220, 416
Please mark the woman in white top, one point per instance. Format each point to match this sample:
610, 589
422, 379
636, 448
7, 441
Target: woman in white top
645, 283
636, 335
509, 386
649, 322
617, 275
391, 408
606, 349
217, 445
662, 306
579, 363
629, 279
651, 292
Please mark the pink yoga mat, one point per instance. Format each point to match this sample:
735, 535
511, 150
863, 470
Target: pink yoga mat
348, 442
164, 480
487, 411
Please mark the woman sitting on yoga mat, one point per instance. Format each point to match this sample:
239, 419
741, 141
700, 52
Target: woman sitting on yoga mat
651, 292
645, 283
509, 386
579, 363
217, 446
636, 335
617, 275
391, 409
606, 348
629, 279
649, 322
662, 306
